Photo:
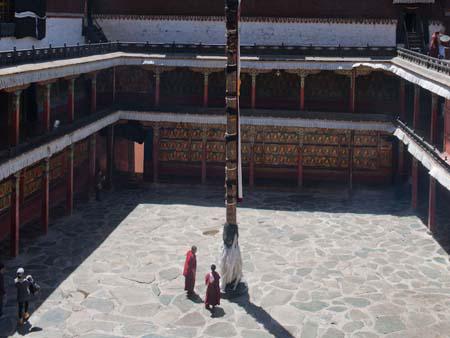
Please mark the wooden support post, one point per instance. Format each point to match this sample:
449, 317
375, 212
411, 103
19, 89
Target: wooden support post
204, 153
109, 157
401, 161
300, 160
155, 157
205, 89
447, 126
69, 180
15, 118
414, 183
92, 163
432, 205
46, 118
434, 119
350, 160
302, 91
94, 93
253, 94
45, 195
114, 86
157, 87
416, 116
402, 98
251, 159
353, 91
71, 100
14, 213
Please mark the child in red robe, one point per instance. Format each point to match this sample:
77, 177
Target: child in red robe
190, 267
213, 288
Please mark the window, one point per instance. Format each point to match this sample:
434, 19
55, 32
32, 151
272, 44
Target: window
6, 11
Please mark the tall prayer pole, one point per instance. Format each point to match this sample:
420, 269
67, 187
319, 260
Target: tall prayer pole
231, 261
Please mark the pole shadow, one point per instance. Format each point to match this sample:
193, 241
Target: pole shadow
261, 316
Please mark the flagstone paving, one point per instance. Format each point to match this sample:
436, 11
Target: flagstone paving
317, 265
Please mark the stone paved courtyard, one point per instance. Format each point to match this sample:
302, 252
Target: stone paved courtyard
317, 265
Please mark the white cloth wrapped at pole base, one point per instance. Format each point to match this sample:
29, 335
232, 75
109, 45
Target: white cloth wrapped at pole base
231, 265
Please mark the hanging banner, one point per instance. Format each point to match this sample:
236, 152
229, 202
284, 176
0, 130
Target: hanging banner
30, 18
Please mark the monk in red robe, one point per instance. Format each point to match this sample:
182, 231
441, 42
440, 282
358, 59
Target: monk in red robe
213, 288
190, 267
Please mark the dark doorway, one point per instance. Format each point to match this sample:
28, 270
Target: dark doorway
148, 156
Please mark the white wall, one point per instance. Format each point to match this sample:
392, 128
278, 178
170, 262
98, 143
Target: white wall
267, 33
59, 31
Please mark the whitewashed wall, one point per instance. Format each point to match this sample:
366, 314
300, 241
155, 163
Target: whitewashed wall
59, 31
268, 33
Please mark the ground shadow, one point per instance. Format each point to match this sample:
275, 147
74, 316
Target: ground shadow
261, 316
195, 299
217, 312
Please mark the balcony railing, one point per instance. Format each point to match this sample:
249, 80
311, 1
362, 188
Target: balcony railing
439, 65
16, 57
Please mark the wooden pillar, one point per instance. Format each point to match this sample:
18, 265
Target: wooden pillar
434, 119
353, 91
432, 205
15, 118
94, 93
157, 87
205, 89
414, 183
45, 195
15, 214
350, 160
71, 100
300, 160
302, 91
251, 159
69, 180
114, 86
447, 126
92, 163
204, 153
416, 116
155, 153
46, 118
109, 157
401, 160
402, 98
253, 94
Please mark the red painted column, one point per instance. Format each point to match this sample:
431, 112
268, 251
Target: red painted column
69, 180
47, 108
15, 118
15, 214
71, 100
432, 205
157, 87
302, 92
253, 94
434, 118
109, 157
350, 160
416, 116
92, 163
45, 195
205, 89
402, 100
353, 91
401, 160
251, 159
155, 154
300, 166
114, 86
204, 154
414, 183
94, 93
447, 126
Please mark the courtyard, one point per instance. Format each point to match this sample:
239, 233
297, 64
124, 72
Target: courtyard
318, 264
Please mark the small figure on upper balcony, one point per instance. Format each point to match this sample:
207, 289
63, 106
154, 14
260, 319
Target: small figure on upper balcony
434, 45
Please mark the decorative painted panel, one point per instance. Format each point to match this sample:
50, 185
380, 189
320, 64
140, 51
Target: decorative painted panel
57, 166
81, 153
32, 180
5, 194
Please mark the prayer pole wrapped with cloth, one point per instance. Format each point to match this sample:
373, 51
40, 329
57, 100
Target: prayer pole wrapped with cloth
231, 261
